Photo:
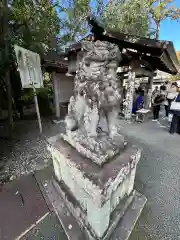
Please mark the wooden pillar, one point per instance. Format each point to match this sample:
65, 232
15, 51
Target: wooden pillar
149, 92
56, 94
129, 95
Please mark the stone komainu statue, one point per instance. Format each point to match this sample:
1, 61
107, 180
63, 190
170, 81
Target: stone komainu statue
96, 85
93, 110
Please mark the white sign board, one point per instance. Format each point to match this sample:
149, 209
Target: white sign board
29, 66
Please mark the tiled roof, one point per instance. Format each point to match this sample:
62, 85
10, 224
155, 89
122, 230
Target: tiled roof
55, 60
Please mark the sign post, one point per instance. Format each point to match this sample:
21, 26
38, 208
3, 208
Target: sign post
37, 109
30, 73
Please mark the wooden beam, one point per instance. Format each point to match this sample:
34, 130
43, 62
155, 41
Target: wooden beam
56, 94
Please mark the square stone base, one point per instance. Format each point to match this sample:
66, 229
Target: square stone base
122, 222
94, 194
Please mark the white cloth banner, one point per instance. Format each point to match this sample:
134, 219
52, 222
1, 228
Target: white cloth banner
29, 66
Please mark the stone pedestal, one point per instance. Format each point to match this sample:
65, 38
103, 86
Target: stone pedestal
96, 196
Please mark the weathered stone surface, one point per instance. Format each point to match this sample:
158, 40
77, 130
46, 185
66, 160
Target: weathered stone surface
93, 110
96, 217
99, 150
99, 190
64, 205
128, 103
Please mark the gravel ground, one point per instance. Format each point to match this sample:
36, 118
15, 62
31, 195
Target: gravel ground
27, 151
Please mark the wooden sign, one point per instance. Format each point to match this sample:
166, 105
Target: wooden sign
29, 67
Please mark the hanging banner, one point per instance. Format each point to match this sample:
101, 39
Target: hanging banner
29, 67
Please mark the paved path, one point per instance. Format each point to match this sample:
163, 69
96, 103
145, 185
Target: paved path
158, 178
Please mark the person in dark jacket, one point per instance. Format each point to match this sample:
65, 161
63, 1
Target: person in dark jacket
156, 102
175, 124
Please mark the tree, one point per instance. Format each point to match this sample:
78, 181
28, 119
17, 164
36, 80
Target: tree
130, 17
160, 10
73, 17
4, 54
177, 76
33, 24
73, 14
178, 56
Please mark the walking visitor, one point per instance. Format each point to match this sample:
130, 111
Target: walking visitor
155, 105
172, 93
157, 98
163, 92
175, 110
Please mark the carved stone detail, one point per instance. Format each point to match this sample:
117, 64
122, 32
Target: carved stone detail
91, 122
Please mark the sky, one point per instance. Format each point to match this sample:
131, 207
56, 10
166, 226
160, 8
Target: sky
170, 30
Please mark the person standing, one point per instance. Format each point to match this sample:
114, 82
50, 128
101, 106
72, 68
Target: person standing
175, 124
155, 90
156, 104
138, 100
172, 93
136, 94
163, 93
